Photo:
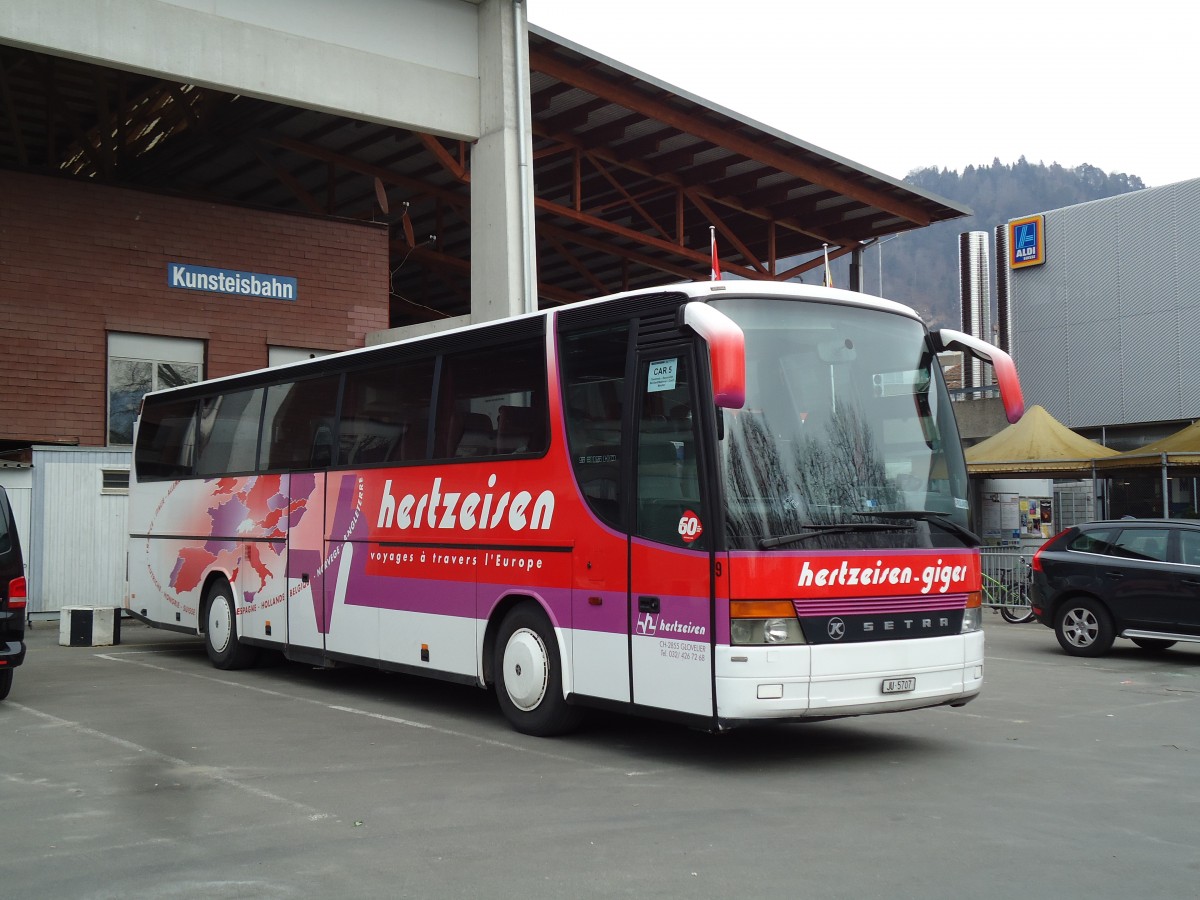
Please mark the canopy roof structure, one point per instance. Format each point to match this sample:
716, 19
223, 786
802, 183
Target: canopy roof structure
1179, 449
629, 173
1037, 445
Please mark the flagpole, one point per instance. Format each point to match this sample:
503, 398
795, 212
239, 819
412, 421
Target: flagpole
715, 274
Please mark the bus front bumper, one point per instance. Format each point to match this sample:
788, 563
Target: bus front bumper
833, 680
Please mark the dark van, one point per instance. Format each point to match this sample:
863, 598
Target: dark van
12, 597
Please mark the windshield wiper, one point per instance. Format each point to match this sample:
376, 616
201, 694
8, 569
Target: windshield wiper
933, 518
822, 530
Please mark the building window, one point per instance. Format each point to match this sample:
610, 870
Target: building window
114, 481
139, 363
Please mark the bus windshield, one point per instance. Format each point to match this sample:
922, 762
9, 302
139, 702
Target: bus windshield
847, 439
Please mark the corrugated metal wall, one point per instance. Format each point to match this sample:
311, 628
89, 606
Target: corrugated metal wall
1102, 331
79, 535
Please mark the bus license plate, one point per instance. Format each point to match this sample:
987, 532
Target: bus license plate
899, 685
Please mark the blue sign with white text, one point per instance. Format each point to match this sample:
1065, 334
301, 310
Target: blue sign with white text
231, 281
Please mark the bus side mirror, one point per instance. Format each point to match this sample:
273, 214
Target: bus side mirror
726, 352
1002, 364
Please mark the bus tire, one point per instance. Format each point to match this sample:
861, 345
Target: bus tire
6, 676
221, 640
528, 674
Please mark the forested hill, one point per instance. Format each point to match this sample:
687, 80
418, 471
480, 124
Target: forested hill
920, 268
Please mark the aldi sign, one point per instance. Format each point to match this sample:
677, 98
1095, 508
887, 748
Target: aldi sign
1026, 242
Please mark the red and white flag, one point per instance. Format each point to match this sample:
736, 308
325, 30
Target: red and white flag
716, 263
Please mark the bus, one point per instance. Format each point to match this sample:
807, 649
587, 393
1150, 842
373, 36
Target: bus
716, 503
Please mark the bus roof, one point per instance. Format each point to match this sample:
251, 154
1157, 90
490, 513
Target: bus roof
695, 290
713, 290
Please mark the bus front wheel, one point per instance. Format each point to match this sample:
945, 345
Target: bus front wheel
528, 674
221, 640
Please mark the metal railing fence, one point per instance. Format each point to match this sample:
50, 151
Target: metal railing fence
1006, 576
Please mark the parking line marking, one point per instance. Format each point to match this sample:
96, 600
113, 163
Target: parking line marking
382, 717
309, 812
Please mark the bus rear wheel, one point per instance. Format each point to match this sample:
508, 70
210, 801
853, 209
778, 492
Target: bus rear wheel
6, 676
528, 674
221, 640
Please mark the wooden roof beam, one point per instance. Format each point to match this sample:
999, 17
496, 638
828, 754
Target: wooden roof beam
726, 232
670, 268
673, 180
811, 264
573, 261
647, 144
613, 131
357, 165
577, 116
267, 157
541, 100
635, 100
625, 195
442, 155
702, 260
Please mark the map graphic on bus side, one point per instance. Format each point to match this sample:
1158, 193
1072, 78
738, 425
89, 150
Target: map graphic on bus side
259, 508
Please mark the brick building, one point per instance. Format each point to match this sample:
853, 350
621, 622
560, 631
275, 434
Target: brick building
87, 303
94, 311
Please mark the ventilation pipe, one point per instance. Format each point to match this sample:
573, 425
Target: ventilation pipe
975, 300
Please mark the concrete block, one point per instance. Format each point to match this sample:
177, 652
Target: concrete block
89, 626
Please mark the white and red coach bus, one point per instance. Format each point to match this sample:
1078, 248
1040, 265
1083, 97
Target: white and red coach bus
717, 503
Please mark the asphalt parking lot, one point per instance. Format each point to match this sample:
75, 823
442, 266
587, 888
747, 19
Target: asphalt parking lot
140, 771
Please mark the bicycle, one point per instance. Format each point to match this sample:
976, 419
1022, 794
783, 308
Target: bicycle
1009, 593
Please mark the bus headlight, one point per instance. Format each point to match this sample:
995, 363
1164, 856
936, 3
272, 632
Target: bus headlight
764, 622
973, 614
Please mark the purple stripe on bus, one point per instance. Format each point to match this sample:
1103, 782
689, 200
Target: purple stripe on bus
872, 605
556, 600
466, 599
608, 615
348, 520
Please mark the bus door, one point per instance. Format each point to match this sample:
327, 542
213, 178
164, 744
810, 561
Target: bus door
306, 615
670, 596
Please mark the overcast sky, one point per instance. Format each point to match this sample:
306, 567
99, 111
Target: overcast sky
904, 84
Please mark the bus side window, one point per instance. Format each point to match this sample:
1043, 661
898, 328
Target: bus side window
166, 439
228, 433
385, 413
501, 385
593, 365
668, 477
298, 424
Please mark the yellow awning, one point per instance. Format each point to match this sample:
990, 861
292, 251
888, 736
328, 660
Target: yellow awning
1179, 449
1036, 445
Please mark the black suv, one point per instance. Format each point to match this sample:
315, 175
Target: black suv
1131, 578
12, 598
